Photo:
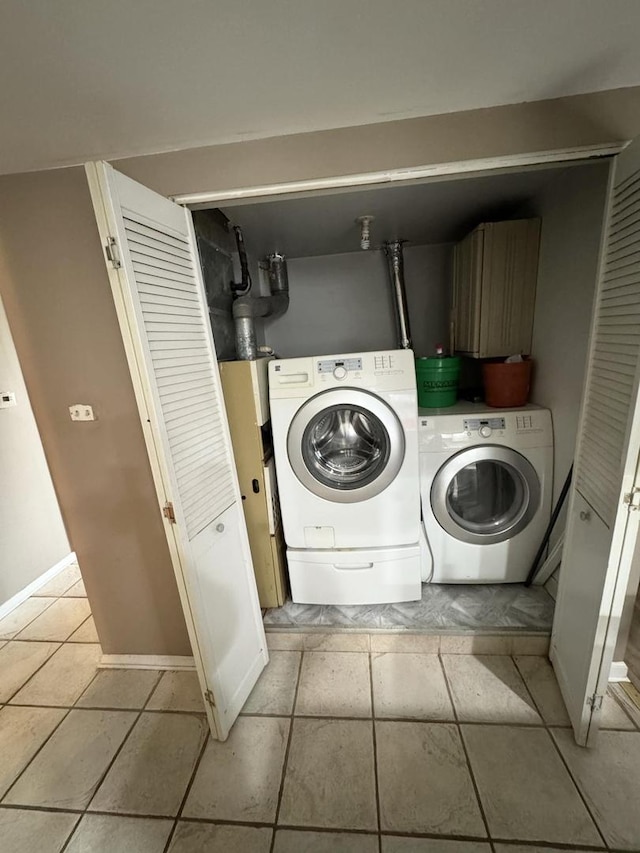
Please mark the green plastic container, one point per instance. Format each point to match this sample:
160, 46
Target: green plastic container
437, 381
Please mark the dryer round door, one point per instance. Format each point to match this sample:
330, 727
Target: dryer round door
485, 494
346, 445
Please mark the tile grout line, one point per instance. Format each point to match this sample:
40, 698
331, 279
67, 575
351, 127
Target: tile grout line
103, 775
543, 845
55, 729
438, 720
375, 751
110, 763
81, 625
54, 601
145, 706
285, 761
33, 674
576, 786
548, 730
77, 707
464, 750
139, 714
33, 757
24, 627
196, 767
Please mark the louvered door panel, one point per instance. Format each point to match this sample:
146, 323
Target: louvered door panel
162, 310
611, 384
601, 536
189, 394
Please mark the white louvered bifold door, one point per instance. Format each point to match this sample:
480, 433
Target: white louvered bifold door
602, 526
163, 314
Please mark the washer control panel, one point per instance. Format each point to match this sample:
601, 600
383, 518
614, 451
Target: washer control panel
340, 368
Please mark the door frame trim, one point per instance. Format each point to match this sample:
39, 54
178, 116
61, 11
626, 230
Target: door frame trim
393, 176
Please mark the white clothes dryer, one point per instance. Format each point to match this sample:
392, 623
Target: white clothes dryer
346, 451
486, 480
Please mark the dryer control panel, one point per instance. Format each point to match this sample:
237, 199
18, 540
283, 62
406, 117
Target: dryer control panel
468, 424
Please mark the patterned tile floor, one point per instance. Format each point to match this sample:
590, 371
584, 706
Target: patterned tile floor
355, 751
444, 607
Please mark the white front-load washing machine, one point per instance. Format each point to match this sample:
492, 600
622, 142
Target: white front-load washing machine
486, 490
346, 451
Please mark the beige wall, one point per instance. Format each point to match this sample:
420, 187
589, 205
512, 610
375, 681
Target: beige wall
601, 117
56, 292
59, 305
32, 535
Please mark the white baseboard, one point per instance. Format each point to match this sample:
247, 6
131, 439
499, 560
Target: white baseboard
619, 671
147, 662
35, 585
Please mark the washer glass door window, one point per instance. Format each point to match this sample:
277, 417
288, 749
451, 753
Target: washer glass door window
346, 445
485, 494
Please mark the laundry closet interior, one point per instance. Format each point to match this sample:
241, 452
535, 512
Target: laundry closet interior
340, 302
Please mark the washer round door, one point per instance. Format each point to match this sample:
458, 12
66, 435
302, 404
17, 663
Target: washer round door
346, 445
485, 494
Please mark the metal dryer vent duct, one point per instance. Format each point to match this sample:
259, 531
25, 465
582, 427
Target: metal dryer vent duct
247, 308
395, 257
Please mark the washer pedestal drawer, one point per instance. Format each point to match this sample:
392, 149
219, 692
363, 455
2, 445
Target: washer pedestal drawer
355, 576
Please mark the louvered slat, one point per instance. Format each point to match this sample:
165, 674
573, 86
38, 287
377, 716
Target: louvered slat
176, 278
614, 360
184, 374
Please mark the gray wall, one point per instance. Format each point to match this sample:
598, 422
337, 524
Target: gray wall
342, 303
572, 208
32, 535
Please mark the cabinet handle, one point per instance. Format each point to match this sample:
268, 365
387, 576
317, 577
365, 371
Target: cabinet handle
255, 485
585, 515
220, 527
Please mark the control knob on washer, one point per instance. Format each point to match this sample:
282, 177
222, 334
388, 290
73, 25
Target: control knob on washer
340, 372
485, 431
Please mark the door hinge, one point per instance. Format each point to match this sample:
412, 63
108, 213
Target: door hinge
168, 512
632, 499
208, 697
113, 253
595, 701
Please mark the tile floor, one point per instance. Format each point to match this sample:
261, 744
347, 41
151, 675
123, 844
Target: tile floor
345, 746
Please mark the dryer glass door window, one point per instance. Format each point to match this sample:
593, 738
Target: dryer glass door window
345, 447
486, 497
485, 494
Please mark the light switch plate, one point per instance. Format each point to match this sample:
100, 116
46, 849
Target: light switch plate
81, 412
7, 398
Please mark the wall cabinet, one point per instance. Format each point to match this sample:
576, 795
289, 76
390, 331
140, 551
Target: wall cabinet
246, 396
495, 270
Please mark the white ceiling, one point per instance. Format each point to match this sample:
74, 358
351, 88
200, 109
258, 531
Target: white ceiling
438, 211
85, 79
